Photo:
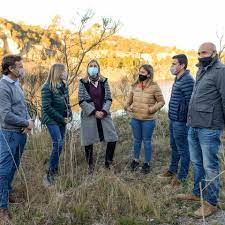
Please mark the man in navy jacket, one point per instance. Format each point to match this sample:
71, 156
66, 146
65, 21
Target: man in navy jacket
178, 109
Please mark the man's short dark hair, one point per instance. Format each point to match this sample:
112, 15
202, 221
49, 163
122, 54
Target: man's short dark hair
9, 60
182, 59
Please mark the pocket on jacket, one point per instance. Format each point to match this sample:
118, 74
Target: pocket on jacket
205, 114
204, 108
182, 112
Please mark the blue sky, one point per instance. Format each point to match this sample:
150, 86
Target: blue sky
184, 24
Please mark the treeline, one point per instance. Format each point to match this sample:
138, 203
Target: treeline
39, 44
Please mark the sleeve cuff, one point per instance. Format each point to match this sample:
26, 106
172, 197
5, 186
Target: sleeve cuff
93, 112
26, 123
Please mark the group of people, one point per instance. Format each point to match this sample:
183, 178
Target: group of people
196, 120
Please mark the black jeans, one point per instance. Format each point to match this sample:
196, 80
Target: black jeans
108, 156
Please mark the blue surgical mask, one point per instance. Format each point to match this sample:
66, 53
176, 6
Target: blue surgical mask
92, 71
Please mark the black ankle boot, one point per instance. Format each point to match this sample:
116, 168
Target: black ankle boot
145, 168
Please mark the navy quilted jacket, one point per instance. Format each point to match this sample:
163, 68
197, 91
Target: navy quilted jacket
180, 97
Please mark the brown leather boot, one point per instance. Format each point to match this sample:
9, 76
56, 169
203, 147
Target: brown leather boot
188, 197
5, 216
166, 174
14, 199
206, 209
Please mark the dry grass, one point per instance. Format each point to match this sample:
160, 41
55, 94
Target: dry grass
115, 197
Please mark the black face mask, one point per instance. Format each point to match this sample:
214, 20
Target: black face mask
205, 61
142, 77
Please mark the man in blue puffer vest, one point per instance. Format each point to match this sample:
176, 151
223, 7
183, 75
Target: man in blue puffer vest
178, 109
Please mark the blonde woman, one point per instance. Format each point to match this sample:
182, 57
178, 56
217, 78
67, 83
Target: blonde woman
56, 113
145, 99
96, 122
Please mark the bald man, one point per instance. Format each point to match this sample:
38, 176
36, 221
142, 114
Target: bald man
206, 120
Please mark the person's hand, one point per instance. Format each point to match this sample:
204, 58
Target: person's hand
130, 109
151, 109
99, 114
25, 131
30, 125
68, 119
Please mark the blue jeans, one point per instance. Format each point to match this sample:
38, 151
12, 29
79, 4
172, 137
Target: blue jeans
11, 149
57, 133
180, 151
142, 131
204, 145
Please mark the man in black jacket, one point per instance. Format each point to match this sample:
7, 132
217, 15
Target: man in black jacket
206, 120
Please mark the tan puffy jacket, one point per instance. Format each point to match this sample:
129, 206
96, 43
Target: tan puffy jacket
145, 101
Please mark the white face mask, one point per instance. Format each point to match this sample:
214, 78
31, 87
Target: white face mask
173, 70
64, 76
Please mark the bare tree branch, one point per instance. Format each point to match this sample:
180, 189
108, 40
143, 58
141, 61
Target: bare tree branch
108, 28
221, 45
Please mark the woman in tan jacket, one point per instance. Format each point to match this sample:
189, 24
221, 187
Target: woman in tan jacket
145, 99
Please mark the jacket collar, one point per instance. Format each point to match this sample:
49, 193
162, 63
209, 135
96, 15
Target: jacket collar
185, 73
101, 79
219, 65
